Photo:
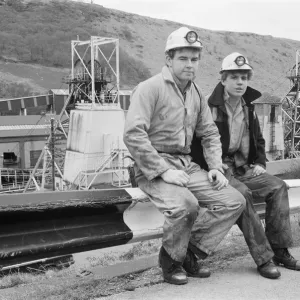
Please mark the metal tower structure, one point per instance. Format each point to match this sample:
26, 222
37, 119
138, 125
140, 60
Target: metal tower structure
95, 72
291, 112
93, 86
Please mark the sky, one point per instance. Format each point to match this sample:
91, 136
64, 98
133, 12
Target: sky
267, 17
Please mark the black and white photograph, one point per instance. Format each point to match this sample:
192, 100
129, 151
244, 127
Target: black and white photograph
149, 149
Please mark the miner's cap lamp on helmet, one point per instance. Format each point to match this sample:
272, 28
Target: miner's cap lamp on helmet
183, 37
235, 61
192, 37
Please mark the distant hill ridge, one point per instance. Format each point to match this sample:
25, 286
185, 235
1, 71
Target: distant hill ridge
37, 34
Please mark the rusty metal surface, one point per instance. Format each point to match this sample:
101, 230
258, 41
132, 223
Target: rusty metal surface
41, 225
32, 235
39, 201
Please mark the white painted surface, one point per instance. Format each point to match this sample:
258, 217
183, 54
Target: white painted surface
93, 134
140, 216
292, 183
87, 128
294, 197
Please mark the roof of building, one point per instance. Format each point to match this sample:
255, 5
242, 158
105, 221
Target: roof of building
18, 98
20, 126
26, 120
65, 92
15, 104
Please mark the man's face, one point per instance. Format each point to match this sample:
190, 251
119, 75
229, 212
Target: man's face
236, 84
184, 65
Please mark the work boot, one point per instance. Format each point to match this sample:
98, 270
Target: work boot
269, 270
172, 270
191, 266
283, 257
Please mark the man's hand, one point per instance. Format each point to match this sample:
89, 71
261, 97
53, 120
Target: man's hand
225, 167
257, 170
177, 177
217, 179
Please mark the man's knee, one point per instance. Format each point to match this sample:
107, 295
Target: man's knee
239, 200
277, 184
234, 200
190, 207
246, 192
183, 205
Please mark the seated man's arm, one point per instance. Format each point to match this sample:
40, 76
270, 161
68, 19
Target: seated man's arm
260, 161
260, 144
142, 107
207, 130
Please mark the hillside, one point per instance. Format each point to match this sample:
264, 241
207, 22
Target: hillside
35, 39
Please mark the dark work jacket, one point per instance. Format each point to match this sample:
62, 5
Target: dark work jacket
257, 153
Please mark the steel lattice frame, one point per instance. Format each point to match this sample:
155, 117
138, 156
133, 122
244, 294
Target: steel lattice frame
291, 112
92, 73
77, 79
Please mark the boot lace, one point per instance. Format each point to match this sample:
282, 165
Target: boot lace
190, 262
287, 254
176, 269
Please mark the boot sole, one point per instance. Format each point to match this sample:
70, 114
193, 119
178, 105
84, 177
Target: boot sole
198, 276
176, 282
285, 266
269, 277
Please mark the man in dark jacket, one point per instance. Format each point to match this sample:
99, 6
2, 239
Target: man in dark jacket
244, 163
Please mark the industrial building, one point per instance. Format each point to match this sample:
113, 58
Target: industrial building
22, 139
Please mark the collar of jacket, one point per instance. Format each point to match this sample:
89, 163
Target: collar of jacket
167, 75
216, 98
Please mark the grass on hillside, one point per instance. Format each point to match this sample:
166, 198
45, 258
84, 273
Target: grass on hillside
41, 33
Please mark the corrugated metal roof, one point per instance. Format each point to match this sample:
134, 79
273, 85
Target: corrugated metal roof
17, 126
26, 131
20, 131
26, 120
66, 92
24, 127
28, 97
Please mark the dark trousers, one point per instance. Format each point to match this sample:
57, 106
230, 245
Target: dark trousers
273, 191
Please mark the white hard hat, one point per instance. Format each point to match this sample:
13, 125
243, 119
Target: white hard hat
235, 61
183, 37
